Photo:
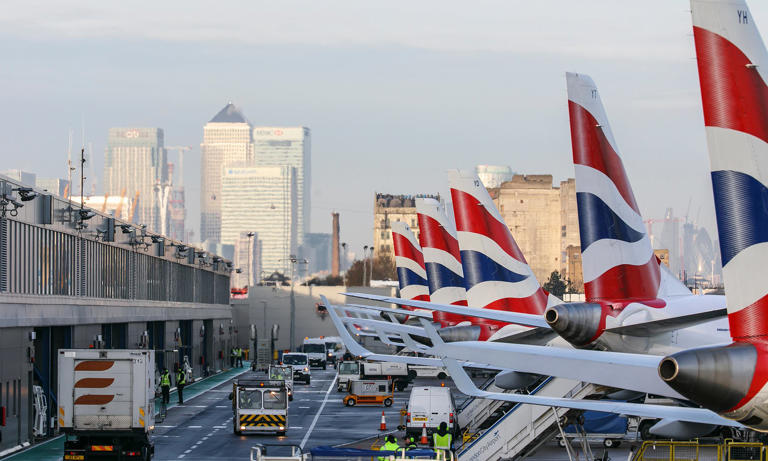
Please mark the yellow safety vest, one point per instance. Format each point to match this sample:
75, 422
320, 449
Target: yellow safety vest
165, 379
181, 378
442, 442
389, 446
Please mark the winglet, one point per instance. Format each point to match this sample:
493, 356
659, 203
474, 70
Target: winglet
354, 347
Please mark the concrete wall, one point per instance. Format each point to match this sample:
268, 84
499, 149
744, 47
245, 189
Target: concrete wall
278, 308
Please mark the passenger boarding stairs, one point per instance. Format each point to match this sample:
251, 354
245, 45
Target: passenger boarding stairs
520, 430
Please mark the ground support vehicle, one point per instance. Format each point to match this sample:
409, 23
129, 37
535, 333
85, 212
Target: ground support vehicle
426, 371
259, 405
316, 351
369, 392
283, 373
428, 406
395, 371
106, 403
347, 370
262, 356
607, 428
299, 361
336, 349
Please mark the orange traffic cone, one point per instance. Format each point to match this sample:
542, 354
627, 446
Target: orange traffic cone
383, 426
424, 440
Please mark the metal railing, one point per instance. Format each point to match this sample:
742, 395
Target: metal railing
700, 451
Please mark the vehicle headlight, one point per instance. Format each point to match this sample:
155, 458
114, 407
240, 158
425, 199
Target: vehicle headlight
306, 369
242, 428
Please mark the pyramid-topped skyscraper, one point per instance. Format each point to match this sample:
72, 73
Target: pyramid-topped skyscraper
227, 141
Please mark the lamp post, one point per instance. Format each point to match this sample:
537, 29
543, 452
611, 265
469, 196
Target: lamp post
294, 260
250, 259
370, 276
365, 261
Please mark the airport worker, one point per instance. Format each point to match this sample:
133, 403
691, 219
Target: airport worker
181, 381
442, 438
390, 445
232, 357
165, 385
239, 357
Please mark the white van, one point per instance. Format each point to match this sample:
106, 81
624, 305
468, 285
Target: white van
300, 364
429, 406
316, 350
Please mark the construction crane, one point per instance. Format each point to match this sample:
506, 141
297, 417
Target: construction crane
104, 205
119, 207
134, 205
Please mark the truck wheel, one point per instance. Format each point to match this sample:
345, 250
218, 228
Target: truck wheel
351, 402
401, 386
441, 375
645, 429
290, 398
412, 374
387, 402
611, 443
307, 381
325, 365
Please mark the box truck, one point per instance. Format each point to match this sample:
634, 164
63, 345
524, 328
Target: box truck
106, 403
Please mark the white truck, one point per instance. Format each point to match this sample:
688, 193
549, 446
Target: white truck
316, 351
106, 403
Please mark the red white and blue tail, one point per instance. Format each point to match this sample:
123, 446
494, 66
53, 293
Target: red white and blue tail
617, 258
409, 261
733, 71
437, 236
496, 274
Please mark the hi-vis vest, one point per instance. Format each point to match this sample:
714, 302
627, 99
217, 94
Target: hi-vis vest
442, 441
181, 378
165, 379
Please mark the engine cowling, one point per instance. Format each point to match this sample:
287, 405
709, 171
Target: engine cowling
577, 323
514, 380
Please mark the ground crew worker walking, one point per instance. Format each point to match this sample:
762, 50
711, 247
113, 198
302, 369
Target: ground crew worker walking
441, 439
232, 357
391, 445
181, 381
239, 352
165, 385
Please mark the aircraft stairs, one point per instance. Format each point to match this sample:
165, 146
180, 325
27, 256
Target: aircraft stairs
504, 431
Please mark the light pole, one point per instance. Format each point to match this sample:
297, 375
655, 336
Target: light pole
294, 260
370, 277
342, 265
264, 303
250, 258
365, 260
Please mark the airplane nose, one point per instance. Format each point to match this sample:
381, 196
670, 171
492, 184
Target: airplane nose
717, 378
577, 323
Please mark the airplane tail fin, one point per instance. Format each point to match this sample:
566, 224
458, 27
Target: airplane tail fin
437, 236
617, 258
496, 274
733, 71
409, 260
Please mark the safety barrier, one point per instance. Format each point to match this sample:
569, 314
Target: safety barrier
698, 451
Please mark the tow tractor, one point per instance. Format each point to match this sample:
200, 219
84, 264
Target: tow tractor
259, 405
284, 373
369, 392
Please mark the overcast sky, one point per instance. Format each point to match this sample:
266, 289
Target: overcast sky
395, 92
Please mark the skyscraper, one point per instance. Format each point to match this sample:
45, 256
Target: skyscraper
134, 162
494, 175
226, 141
248, 260
261, 200
291, 146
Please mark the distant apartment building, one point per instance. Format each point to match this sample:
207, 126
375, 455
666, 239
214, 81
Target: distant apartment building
55, 186
134, 163
663, 255
227, 141
493, 175
261, 200
542, 218
291, 146
388, 208
573, 268
247, 260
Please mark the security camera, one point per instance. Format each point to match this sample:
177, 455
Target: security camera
16, 204
157, 239
86, 214
126, 228
26, 193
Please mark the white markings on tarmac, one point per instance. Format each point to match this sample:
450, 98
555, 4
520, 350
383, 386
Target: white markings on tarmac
317, 415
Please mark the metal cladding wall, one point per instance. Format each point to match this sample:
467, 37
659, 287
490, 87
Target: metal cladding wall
71, 275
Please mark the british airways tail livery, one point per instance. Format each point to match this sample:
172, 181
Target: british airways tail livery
733, 70
633, 303
409, 261
496, 274
617, 257
437, 236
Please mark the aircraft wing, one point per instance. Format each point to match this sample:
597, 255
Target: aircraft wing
530, 320
656, 327
358, 350
694, 415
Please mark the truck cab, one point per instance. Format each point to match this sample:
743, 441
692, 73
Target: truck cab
259, 405
336, 349
283, 373
347, 371
299, 361
316, 351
